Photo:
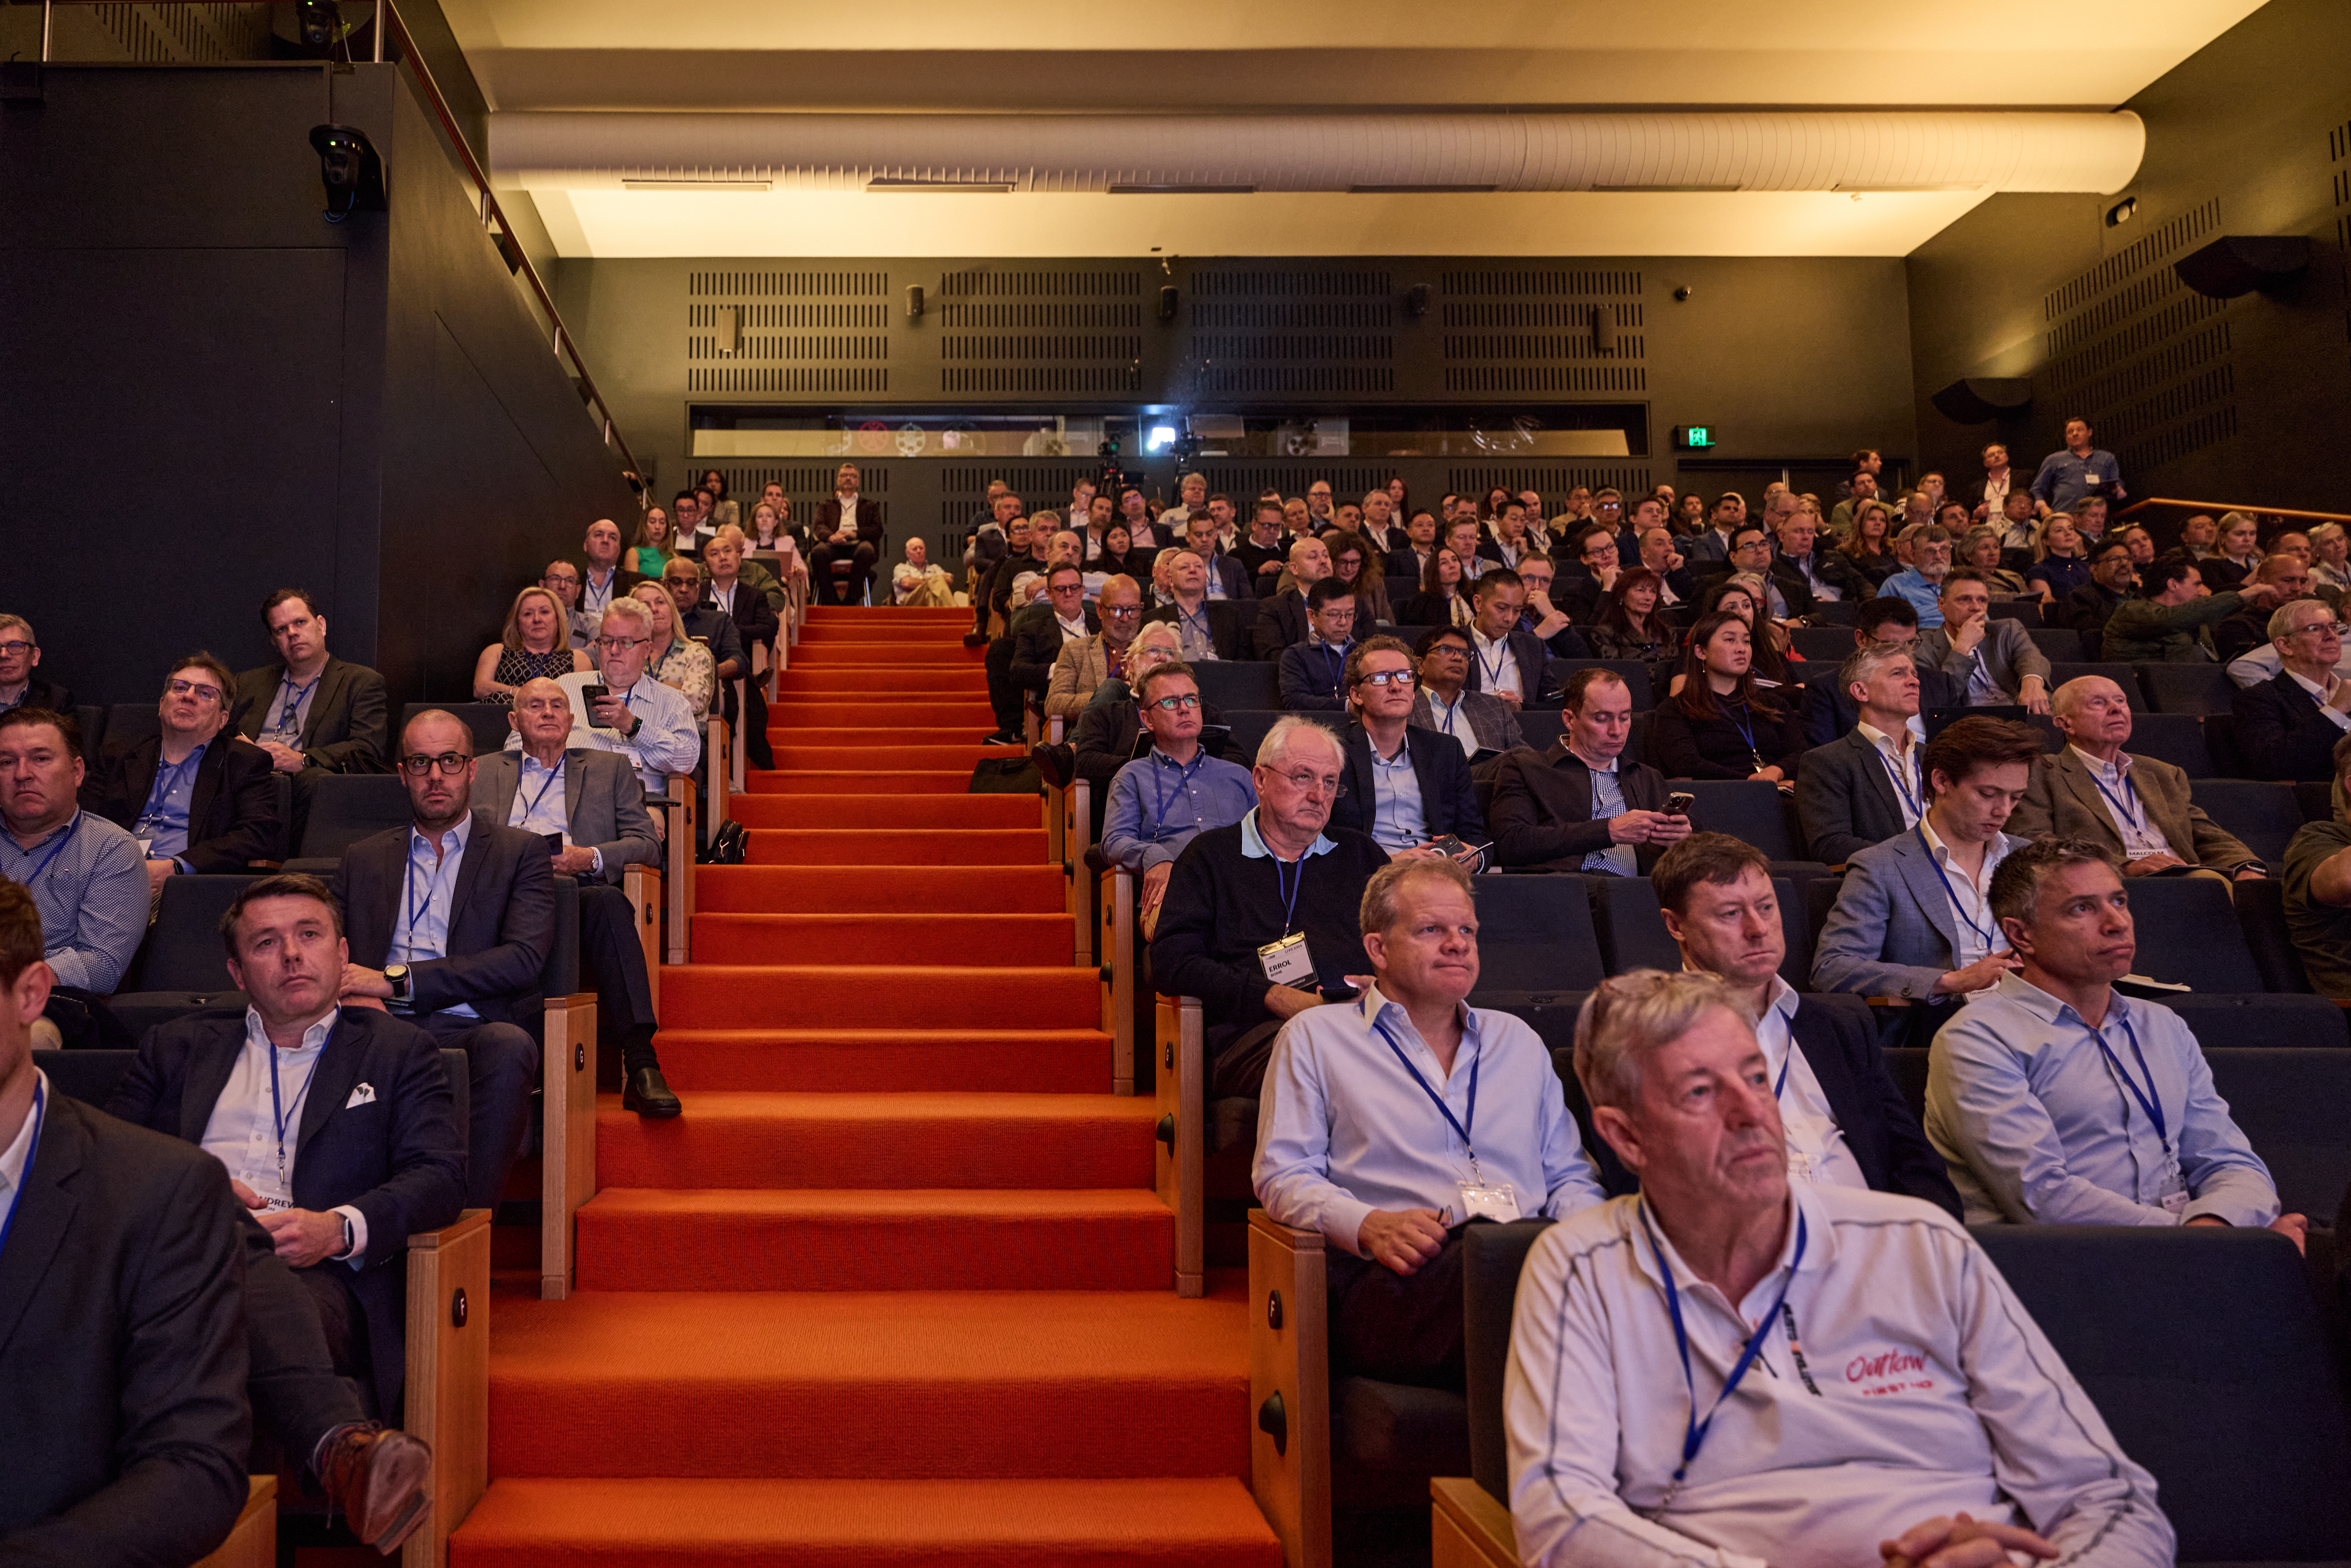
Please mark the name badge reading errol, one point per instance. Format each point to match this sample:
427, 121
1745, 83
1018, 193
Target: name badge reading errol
1489, 1200
1286, 962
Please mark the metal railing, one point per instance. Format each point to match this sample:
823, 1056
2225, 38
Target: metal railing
2250, 509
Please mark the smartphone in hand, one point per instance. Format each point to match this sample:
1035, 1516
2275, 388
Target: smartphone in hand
1680, 802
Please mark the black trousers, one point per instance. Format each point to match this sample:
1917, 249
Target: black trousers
503, 1068
302, 1385
1399, 1328
614, 963
861, 557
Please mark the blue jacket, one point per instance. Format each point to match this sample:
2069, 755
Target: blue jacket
1314, 677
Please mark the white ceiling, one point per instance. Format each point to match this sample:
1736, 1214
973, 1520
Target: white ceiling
1218, 56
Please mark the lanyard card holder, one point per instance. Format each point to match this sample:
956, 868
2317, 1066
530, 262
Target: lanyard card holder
1287, 962
1496, 1200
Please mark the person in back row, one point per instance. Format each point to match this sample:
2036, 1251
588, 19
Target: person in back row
311, 712
2058, 1100
1732, 1367
1994, 662
1166, 798
2172, 620
1580, 806
1392, 1124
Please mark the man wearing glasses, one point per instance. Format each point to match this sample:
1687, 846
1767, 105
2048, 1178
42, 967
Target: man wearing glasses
20, 652
1164, 799
1478, 721
2289, 726
449, 921
196, 800
1410, 793
1084, 664
563, 579
649, 723
312, 711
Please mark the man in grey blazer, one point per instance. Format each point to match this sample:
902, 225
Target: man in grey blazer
1913, 919
595, 803
1864, 787
1994, 662
1479, 720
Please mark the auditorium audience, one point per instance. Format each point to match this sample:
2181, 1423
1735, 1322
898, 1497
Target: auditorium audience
20, 655
684, 666
2289, 726
87, 875
1864, 787
2087, 608
563, 579
1998, 482
1035, 642
1749, 561
1720, 723
1480, 722
1311, 674
652, 549
194, 799
1164, 799
692, 621
2246, 627
1994, 663
631, 712
1867, 543
1081, 668
311, 711
1207, 627
1406, 790
1659, 555
1119, 557
2239, 553
1807, 576
1281, 617
2137, 809
1741, 594
848, 527
536, 641
603, 578
2059, 566
1861, 491
1580, 806
1912, 918
2318, 889
1392, 1122
1921, 582
1504, 662
1979, 550
457, 948
1712, 545
1794, 1290
1632, 624
1109, 727
591, 806
915, 584
1542, 618
2056, 1100
1444, 598
1260, 919
124, 1424
1408, 558
1263, 553
753, 619
1359, 568
1845, 1121
2330, 565
2172, 622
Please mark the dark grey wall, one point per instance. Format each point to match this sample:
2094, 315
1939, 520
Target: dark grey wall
2203, 399
208, 392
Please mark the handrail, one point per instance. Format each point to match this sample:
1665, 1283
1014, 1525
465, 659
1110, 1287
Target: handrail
2137, 507
566, 345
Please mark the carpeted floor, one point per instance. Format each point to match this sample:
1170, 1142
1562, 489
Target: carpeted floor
895, 1289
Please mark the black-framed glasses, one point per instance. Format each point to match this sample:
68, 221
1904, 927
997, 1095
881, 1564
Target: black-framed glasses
1390, 678
191, 689
13, 646
450, 763
1177, 704
617, 643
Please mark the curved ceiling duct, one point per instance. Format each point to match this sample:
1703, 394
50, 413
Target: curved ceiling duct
1720, 150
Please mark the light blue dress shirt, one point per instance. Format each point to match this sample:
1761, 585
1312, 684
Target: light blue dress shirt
1925, 597
89, 881
163, 822
427, 890
669, 741
289, 709
2038, 1123
1607, 802
1158, 805
1343, 1129
1397, 821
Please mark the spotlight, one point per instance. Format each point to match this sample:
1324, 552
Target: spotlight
1162, 437
349, 167
2121, 211
319, 22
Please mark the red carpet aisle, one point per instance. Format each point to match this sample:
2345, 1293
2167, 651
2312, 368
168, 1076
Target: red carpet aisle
897, 1288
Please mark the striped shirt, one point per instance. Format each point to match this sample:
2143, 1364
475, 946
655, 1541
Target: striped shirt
89, 882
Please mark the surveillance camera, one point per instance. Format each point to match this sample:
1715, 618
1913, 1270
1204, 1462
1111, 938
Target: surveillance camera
349, 168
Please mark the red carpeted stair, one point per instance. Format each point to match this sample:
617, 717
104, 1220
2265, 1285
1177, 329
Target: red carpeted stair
896, 1290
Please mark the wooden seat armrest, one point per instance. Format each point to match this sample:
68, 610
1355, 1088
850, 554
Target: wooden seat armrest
253, 1540
1182, 1152
448, 1388
1469, 1527
1290, 1388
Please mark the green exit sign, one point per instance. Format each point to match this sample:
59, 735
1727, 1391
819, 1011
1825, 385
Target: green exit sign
1693, 437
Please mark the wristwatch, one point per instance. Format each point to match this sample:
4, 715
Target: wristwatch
350, 1238
397, 974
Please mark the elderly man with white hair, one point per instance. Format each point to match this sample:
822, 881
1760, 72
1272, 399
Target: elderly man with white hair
1737, 1369
916, 583
1260, 919
1394, 1122
619, 706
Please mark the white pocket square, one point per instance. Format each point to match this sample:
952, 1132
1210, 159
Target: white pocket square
362, 1095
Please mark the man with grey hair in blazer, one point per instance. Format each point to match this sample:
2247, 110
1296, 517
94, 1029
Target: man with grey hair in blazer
1913, 918
591, 808
1994, 662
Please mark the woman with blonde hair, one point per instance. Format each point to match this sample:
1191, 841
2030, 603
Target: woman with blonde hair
679, 663
2057, 568
534, 644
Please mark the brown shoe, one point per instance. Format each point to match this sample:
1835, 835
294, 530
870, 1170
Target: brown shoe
380, 1478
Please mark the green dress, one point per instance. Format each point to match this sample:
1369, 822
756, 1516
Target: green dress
649, 560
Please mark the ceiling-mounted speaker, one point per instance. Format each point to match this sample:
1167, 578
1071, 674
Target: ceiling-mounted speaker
730, 329
2240, 264
1604, 329
1168, 300
1416, 300
1975, 399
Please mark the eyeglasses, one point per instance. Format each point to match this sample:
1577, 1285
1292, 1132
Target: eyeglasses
1448, 650
617, 643
1390, 678
2330, 626
559, 579
1177, 704
450, 763
14, 646
1124, 612
191, 689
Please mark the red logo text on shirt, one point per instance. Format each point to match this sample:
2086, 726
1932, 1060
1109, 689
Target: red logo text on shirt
1888, 1372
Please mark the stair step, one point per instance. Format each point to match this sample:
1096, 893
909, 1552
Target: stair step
1009, 939
918, 814
868, 758
880, 996
934, 685
637, 1239
1204, 1523
922, 615
961, 846
892, 655
881, 782
746, 1138
890, 709
876, 731
916, 1385
880, 889
870, 1061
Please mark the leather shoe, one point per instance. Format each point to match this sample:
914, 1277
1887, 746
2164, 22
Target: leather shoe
1056, 765
649, 1096
380, 1478
975, 639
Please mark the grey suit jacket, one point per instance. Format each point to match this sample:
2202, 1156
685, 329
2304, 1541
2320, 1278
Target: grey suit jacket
2062, 800
1892, 932
349, 726
1493, 721
603, 801
2007, 652
1845, 799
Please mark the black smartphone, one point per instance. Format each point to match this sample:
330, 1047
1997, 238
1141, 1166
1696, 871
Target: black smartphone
591, 695
1680, 802
554, 842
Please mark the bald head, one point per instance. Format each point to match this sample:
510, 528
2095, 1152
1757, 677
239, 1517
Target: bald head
541, 715
1310, 562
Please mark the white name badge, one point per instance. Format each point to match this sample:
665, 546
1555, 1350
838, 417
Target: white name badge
1489, 1200
2175, 1202
1286, 962
262, 1183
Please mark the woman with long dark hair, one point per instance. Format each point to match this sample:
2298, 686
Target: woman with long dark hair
1444, 596
1356, 564
1630, 624
1722, 724
1119, 557
1742, 595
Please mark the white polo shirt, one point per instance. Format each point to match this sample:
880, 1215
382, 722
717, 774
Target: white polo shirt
1924, 1388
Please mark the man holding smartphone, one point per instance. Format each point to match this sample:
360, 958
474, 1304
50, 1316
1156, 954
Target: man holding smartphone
619, 707
1580, 806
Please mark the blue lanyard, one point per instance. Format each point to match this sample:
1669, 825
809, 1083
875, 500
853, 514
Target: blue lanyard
1903, 777
1438, 704
1198, 619
408, 890
2147, 1098
276, 1109
2135, 814
55, 850
289, 711
16, 1199
1746, 728
553, 776
1333, 667
1455, 1122
1493, 673
1694, 1435
167, 779
1289, 889
1991, 937
1183, 773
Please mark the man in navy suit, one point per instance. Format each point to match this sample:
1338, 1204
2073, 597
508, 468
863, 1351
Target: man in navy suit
1830, 712
1845, 1121
450, 921
1401, 785
195, 794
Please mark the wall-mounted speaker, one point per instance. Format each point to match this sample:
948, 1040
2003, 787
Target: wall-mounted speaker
1168, 300
1976, 400
2240, 264
1604, 329
913, 302
1416, 300
730, 329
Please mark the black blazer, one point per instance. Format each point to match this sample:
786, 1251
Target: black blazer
124, 1420
231, 811
1280, 623
1829, 714
1448, 801
1530, 656
1840, 1045
501, 920
399, 1159
1425, 609
349, 727
1224, 625
49, 694
871, 527
1846, 800
1687, 747
1404, 568
2282, 732
1036, 644
1542, 808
